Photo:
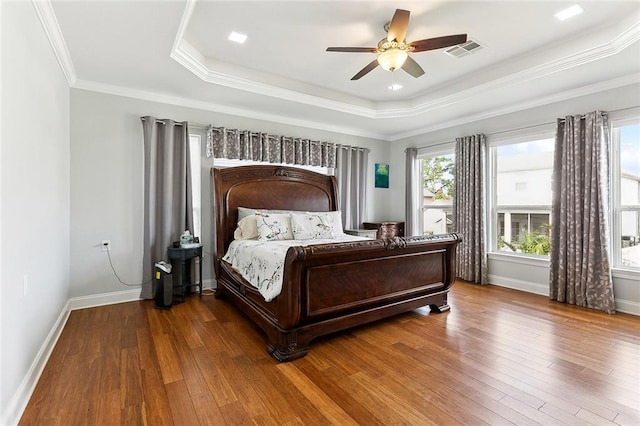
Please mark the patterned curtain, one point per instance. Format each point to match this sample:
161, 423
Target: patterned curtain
413, 191
580, 233
469, 208
246, 145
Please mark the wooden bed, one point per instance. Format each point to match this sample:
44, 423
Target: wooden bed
329, 287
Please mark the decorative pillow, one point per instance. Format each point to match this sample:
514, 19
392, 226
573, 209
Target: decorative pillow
313, 226
336, 218
244, 212
273, 226
247, 229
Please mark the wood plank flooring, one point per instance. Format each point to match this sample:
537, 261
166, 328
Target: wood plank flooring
498, 357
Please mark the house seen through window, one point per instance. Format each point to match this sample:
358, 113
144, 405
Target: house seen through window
521, 208
520, 201
626, 194
437, 194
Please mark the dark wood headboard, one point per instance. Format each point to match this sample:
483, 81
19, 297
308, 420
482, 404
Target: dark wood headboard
268, 187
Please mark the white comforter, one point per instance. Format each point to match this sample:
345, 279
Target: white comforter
261, 263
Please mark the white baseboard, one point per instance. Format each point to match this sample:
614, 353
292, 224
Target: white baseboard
209, 284
624, 306
18, 403
94, 300
529, 287
628, 307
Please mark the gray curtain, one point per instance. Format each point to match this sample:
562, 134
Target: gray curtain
351, 174
247, 145
413, 191
469, 208
580, 234
168, 208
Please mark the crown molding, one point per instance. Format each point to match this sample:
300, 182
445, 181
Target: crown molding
617, 45
190, 58
533, 103
187, 56
194, 61
222, 109
49, 22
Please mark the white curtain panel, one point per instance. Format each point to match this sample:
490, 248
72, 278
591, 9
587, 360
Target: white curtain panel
412, 195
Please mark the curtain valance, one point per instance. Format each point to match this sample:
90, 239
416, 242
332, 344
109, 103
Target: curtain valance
256, 146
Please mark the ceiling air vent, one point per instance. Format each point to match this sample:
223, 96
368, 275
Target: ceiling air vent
465, 49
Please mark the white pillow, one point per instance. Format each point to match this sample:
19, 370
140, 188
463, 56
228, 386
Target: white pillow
315, 225
273, 226
336, 217
244, 212
247, 229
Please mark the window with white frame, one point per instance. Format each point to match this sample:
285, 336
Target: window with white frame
625, 161
521, 201
436, 196
195, 147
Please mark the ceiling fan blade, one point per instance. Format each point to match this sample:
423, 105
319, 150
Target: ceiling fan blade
438, 42
412, 67
398, 26
352, 49
366, 70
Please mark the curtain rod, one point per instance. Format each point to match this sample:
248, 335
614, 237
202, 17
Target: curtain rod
177, 123
606, 114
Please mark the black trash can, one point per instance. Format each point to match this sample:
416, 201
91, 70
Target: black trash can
163, 286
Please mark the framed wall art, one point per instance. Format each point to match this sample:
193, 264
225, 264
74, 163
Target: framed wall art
381, 175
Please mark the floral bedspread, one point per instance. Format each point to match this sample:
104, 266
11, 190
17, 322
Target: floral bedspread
261, 263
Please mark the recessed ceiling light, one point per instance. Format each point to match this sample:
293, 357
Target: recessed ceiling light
395, 87
569, 12
237, 37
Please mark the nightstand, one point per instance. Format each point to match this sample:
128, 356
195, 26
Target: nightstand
369, 233
181, 260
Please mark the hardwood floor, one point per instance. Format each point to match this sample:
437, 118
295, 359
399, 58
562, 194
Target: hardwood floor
498, 357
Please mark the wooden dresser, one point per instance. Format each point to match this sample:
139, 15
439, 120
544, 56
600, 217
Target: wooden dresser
386, 229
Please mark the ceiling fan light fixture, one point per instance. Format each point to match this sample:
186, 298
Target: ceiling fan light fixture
392, 59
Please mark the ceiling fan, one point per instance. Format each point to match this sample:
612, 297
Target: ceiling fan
393, 51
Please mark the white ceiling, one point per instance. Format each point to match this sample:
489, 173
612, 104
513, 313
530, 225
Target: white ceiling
177, 51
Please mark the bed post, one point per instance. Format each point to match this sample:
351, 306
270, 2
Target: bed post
288, 346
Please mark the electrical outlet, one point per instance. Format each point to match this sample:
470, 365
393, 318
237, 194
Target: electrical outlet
106, 245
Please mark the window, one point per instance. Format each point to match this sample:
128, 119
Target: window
521, 184
626, 193
437, 194
196, 185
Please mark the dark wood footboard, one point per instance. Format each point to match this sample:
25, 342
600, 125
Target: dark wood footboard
328, 288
